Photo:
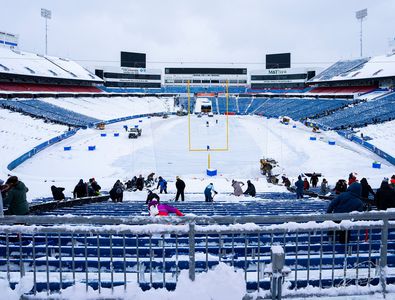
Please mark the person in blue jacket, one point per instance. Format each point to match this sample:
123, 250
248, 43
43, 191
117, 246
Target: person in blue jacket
208, 192
344, 203
162, 184
348, 201
299, 188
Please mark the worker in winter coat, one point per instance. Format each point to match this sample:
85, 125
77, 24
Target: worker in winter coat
392, 183
366, 189
16, 197
314, 180
299, 188
345, 203
250, 189
237, 190
306, 185
152, 196
286, 181
162, 184
348, 201
352, 178
57, 193
80, 189
116, 193
180, 186
385, 196
324, 187
208, 193
341, 186
159, 209
140, 183
93, 187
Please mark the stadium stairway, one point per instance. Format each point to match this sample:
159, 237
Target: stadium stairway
271, 204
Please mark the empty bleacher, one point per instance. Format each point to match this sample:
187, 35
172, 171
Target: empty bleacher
183, 103
343, 90
52, 88
47, 111
379, 110
103, 259
295, 108
277, 90
232, 106
243, 104
339, 68
271, 204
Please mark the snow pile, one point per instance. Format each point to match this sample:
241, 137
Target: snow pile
24, 286
277, 249
222, 282
383, 136
19, 133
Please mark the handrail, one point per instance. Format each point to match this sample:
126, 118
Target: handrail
141, 220
142, 247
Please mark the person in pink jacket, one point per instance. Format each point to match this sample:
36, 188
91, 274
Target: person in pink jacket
158, 209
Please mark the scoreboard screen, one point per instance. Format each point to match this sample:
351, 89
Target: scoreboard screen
133, 60
278, 61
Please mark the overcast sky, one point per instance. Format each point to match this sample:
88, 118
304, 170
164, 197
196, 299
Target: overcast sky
316, 32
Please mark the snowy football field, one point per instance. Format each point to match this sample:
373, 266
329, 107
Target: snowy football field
163, 149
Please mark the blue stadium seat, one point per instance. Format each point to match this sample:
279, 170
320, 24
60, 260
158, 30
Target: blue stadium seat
48, 111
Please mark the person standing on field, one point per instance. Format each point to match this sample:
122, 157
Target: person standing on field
180, 186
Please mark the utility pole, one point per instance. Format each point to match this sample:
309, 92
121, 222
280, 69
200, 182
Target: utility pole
360, 15
46, 14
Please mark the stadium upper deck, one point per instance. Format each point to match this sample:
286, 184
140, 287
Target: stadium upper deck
25, 71
372, 71
33, 73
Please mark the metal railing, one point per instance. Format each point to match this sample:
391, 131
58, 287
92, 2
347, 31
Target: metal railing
104, 252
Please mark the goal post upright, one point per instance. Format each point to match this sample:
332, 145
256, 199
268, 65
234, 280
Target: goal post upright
189, 117
210, 149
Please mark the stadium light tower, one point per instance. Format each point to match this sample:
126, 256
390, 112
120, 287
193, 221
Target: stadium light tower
360, 15
46, 14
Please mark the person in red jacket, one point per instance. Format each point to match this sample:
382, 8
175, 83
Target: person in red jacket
351, 179
306, 184
392, 182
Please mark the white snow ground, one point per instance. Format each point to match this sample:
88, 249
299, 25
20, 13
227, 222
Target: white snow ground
221, 282
19, 134
383, 136
163, 149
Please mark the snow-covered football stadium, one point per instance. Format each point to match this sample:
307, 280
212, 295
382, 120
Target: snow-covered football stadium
273, 127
